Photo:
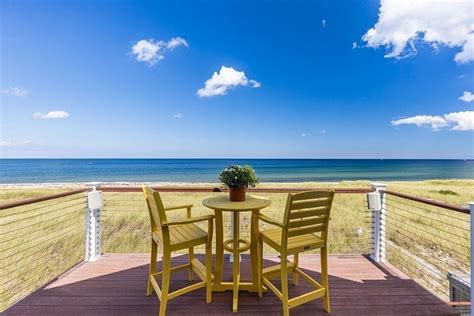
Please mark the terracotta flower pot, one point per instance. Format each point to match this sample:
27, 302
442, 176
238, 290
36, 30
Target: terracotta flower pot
237, 194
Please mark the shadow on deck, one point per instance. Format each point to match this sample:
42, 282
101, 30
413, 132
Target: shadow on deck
116, 285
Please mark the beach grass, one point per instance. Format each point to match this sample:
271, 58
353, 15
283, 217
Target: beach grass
11, 193
424, 242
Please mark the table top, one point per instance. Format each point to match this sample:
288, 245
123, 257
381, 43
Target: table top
223, 203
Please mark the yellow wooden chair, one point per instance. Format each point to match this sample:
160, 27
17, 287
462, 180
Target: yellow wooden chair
304, 227
173, 236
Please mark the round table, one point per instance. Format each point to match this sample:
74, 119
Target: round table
236, 245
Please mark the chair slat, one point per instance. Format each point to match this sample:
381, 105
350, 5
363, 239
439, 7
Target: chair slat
312, 195
309, 212
306, 230
176, 235
307, 222
310, 204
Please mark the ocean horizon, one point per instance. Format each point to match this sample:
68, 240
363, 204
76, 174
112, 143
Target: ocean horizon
70, 170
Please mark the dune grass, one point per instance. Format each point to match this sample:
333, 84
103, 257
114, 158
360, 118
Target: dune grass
15, 194
126, 220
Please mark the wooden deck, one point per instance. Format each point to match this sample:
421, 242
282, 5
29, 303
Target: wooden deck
116, 285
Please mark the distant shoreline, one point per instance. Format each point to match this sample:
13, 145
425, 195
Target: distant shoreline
349, 183
139, 183
79, 158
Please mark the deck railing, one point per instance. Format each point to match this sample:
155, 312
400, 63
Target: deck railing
41, 238
430, 242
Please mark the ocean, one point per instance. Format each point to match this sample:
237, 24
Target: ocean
207, 170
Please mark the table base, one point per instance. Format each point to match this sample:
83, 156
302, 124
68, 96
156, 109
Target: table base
252, 205
243, 286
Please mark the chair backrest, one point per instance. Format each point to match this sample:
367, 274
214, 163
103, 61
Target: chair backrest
156, 209
308, 212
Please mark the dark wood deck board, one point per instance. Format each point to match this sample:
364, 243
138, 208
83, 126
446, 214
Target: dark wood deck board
116, 285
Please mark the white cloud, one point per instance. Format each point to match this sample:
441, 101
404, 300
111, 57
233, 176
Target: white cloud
323, 131
176, 42
464, 121
467, 53
354, 45
403, 24
305, 134
151, 51
148, 51
51, 115
11, 144
18, 92
467, 97
457, 121
255, 83
225, 79
323, 23
435, 122
178, 115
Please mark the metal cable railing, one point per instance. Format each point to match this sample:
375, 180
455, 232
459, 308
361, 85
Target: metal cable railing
40, 239
428, 242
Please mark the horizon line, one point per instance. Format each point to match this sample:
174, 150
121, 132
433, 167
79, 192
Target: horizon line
229, 158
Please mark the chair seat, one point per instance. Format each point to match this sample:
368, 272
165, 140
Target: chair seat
185, 234
295, 244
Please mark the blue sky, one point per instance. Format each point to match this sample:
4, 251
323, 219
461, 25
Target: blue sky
291, 79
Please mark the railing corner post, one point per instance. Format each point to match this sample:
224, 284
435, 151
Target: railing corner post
94, 206
376, 203
471, 246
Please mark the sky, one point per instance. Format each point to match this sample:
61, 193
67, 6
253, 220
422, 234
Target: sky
237, 79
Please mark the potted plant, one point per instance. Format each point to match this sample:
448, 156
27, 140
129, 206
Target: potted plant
237, 179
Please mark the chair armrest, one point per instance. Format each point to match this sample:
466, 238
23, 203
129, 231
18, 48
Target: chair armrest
190, 220
269, 220
172, 208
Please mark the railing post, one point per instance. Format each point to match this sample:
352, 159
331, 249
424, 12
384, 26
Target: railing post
471, 208
94, 206
378, 234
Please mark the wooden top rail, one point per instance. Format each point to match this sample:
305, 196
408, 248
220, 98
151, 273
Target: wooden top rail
456, 208
4, 206
8, 205
216, 189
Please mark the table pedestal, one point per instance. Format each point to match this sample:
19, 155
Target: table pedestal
236, 245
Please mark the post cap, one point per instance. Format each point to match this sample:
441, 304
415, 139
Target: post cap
94, 185
377, 185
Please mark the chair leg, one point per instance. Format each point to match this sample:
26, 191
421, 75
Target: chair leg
325, 278
190, 259
153, 253
284, 284
295, 274
166, 262
208, 273
260, 267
